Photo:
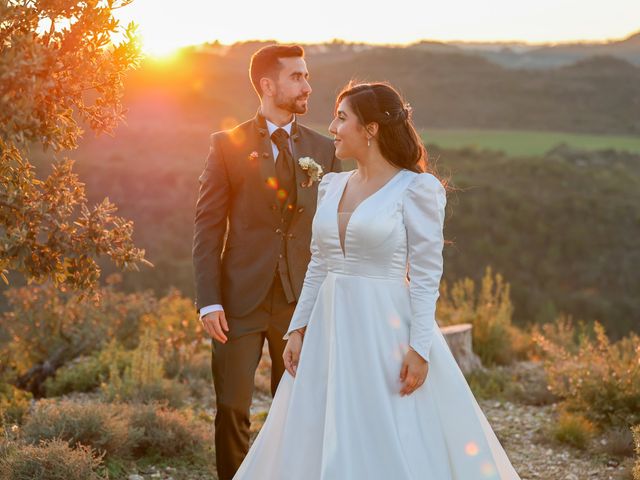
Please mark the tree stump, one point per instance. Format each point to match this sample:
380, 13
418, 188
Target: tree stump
458, 338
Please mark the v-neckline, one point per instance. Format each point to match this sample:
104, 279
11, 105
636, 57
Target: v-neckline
343, 246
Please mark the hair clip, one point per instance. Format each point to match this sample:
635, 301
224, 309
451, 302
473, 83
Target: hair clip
408, 110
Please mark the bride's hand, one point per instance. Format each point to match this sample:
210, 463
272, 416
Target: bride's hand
413, 372
292, 350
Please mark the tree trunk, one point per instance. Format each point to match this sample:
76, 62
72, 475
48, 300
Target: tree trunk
458, 338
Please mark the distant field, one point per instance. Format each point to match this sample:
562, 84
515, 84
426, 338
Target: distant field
526, 142
516, 143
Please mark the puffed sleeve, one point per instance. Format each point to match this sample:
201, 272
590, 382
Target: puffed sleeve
423, 211
316, 273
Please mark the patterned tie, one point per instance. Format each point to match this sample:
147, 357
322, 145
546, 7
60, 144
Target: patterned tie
284, 167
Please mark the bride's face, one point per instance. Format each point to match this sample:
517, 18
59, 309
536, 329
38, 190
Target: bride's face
350, 136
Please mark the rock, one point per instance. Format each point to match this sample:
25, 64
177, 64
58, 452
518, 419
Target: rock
135, 476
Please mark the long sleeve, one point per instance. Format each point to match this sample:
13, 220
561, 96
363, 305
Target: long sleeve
316, 273
210, 226
423, 210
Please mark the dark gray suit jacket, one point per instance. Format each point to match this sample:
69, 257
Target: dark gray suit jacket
237, 242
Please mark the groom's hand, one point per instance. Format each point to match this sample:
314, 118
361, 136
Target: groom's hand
214, 323
413, 372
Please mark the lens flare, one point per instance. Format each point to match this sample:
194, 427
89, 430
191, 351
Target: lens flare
272, 182
487, 470
471, 449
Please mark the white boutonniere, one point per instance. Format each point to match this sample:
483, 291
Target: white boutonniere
313, 169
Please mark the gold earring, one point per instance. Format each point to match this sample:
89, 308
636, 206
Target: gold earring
368, 142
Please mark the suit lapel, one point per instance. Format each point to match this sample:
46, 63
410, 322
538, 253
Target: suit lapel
301, 147
267, 170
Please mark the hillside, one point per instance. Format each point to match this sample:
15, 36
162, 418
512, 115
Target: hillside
561, 228
523, 56
447, 90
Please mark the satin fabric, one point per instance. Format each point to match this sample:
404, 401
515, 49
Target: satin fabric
342, 416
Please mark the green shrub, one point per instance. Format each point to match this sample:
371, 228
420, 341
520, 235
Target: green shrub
523, 382
489, 383
60, 345
601, 380
14, 404
176, 328
495, 339
50, 328
168, 433
530, 384
50, 460
80, 375
573, 429
143, 380
85, 374
104, 427
564, 333
197, 375
120, 431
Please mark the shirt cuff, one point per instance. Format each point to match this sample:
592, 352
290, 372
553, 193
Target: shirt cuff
210, 308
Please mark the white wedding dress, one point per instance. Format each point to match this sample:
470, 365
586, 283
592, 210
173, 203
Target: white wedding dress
342, 417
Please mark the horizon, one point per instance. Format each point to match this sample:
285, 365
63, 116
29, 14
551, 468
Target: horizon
426, 40
171, 51
164, 29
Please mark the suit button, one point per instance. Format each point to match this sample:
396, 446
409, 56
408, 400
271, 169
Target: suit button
290, 235
301, 209
281, 256
277, 230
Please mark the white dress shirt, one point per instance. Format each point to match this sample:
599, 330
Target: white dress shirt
272, 127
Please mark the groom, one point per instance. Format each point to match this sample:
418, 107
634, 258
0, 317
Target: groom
252, 236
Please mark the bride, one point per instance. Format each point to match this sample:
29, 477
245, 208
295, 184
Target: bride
372, 390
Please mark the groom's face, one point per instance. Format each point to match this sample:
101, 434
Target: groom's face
292, 86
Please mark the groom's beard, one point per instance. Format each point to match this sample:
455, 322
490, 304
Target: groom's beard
291, 105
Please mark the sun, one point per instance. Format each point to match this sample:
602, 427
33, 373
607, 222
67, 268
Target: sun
159, 47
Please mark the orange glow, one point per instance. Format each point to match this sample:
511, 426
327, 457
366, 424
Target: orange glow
272, 182
228, 123
161, 50
471, 449
397, 354
197, 84
237, 136
394, 321
487, 469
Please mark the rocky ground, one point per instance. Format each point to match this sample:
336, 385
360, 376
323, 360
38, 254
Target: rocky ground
523, 429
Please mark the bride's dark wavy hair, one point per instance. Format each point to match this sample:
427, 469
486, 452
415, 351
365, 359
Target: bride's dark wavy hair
397, 137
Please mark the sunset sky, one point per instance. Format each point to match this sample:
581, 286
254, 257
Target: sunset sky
165, 27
